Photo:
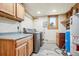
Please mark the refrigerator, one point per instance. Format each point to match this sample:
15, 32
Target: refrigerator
74, 34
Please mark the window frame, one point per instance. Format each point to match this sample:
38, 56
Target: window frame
56, 27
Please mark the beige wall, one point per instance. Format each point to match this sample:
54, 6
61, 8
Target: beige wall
7, 25
61, 27
27, 23
49, 34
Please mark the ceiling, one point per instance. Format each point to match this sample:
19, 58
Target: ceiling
43, 9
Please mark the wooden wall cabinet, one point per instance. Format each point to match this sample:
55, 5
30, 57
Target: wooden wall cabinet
13, 11
73, 10
69, 13
20, 11
8, 8
60, 39
76, 8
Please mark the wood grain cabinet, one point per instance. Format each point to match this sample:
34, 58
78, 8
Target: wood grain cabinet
30, 46
13, 11
60, 39
76, 7
21, 47
8, 8
21, 50
20, 11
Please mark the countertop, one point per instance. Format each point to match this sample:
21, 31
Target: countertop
14, 36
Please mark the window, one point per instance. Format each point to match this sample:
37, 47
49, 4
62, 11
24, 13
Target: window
53, 22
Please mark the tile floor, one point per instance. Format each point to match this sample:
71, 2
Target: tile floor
48, 49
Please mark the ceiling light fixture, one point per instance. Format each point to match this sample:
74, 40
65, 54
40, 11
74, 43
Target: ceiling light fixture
54, 10
38, 12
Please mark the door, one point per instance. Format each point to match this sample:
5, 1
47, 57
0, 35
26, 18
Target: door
21, 50
20, 11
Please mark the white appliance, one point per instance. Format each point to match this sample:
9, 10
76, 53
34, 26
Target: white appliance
74, 34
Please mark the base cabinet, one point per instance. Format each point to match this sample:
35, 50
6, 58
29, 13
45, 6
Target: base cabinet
21, 47
60, 40
30, 46
21, 50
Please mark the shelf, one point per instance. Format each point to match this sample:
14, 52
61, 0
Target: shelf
66, 23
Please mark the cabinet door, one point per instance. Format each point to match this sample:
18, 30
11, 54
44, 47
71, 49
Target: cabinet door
21, 50
77, 8
30, 46
20, 11
8, 8
57, 39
